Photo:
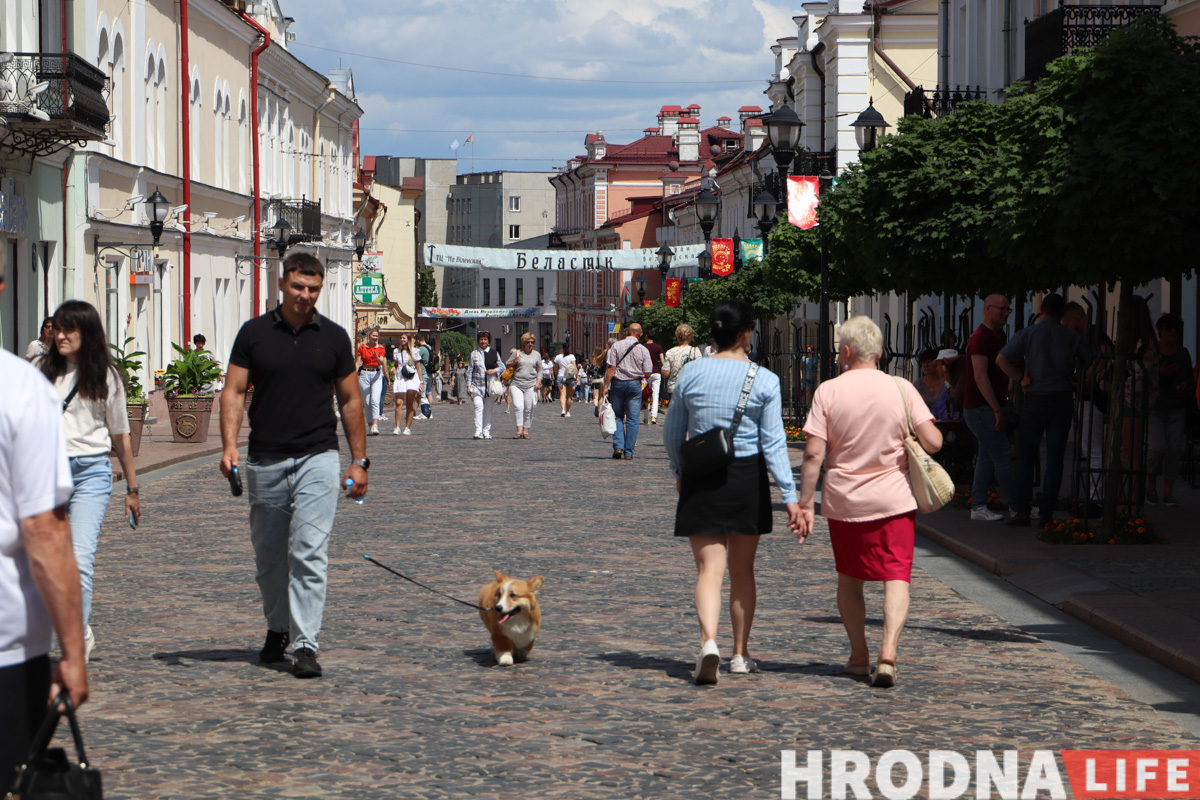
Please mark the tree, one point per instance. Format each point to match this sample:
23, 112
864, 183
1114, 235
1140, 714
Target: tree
753, 283
454, 344
660, 320
793, 266
426, 288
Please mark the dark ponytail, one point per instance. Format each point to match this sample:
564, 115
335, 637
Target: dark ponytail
94, 365
729, 320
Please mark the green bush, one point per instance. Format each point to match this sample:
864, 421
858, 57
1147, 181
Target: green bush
191, 373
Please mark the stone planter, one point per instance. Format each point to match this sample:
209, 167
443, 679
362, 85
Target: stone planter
137, 419
190, 416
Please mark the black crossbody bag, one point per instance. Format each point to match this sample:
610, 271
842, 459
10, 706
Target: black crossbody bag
713, 449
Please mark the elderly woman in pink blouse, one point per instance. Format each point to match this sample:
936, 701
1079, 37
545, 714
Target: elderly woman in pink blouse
857, 427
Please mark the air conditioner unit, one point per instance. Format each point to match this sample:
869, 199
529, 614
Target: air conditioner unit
506, 329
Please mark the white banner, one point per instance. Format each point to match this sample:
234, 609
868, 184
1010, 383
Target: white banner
449, 255
532, 311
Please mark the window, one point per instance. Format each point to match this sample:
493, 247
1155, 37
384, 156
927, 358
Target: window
514, 203
541, 291
520, 292
487, 291
522, 329
514, 231
500, 298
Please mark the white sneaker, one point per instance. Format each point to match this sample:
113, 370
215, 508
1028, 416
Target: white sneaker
381, 418
477, 436
707, 663
396, 431
568, 414
1035, 513
408, 431
562, 413
985, 514
487, 436
374, 428
89, 641
740, 665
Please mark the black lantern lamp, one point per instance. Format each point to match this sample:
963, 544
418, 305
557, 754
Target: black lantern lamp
868, 127
665, 254
705, 262
707, 206
158, 207
764, 209
783, 129
360, 244
283, 233
641, 290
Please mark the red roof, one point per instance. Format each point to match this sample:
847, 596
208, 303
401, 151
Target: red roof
592, 138
750, 109
693, 105
666, 109
650, 130
688, 121
753, 122
724, 119
368, 163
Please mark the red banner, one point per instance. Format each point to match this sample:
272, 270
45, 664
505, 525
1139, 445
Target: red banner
722, 257
674, 292
804, 193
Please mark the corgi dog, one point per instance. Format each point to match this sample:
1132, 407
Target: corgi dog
509, 609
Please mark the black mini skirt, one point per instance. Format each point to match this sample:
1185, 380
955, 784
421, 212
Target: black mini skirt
735, 500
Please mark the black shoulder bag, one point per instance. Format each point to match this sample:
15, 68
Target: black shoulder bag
47, 773
713, 449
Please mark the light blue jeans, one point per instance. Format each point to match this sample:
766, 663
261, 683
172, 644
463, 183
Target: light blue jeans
626, 399
86, 509
292, 506
993, 460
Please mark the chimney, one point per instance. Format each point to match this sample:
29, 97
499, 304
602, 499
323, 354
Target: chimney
668, 120
723, 122
596, 146
689, 139
753, 134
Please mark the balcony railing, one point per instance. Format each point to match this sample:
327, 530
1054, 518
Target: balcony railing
303, 215
940, 102
1069, 28
51, 101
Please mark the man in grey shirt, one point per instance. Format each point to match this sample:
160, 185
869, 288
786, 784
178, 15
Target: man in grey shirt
1043, 359
629, 363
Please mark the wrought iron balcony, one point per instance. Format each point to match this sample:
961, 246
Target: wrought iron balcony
1069, 28
51, 101
303, 215
940, 102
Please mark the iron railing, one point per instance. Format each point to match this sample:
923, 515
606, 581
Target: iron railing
1069, 28
941, 101
51, 101
303, 215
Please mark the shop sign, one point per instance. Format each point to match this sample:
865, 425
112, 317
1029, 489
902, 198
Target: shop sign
368, 289
13, 209
372, 261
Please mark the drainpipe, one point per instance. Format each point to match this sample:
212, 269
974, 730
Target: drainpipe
65, 167
877, 48
821, 74
255, 231
186, 120
312, 172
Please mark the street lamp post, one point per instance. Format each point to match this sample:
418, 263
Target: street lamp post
825, 181
360, 244
159, 208
869, 126
707, 207
764, 208
665, 254
641, 291
783, 130
282, 230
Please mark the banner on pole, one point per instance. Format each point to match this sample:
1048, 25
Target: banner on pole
449, 255
752, 249
722, 257
490, 313
674, 292
804, 193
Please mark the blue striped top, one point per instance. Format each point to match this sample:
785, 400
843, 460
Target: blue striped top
706, 396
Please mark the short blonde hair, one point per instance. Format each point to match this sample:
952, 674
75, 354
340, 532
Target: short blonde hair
528, 337
684, 334
863, 337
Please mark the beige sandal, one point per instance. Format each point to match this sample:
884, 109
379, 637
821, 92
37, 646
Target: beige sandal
885, 674
858, 669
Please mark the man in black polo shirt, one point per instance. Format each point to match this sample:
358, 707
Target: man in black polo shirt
297, 360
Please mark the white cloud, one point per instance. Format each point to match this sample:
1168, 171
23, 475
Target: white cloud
617, 40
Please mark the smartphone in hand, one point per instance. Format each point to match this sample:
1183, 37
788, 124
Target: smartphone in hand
131, 520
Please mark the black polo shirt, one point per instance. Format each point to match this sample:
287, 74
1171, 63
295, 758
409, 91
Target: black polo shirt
294, 374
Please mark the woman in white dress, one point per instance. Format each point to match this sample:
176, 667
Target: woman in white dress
408, 382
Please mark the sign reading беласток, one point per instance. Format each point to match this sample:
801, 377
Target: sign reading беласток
449, 255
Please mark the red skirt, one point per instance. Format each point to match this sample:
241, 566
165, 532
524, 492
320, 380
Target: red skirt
875, 550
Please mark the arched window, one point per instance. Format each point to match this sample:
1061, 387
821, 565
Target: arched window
226, 144
116, 76
150, 99
218, 142
160, 111
244, 143
194, 128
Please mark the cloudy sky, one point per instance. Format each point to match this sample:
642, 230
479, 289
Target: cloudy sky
625, 59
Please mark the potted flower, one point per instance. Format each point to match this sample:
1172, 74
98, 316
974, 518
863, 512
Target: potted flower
188, 385
130, 365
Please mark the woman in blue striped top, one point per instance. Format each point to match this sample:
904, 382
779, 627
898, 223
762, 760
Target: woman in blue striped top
724, 512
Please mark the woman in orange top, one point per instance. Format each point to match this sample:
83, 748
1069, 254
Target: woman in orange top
371, 360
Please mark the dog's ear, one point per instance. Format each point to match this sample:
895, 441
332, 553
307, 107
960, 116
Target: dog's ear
535, 584
500, 576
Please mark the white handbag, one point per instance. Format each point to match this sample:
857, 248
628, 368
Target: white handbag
931, 484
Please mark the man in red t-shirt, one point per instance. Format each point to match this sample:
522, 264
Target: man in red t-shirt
984, 399
371, 359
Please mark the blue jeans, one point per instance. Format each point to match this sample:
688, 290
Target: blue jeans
994, 459
86, 510
626, 399
1049, 416
292, 505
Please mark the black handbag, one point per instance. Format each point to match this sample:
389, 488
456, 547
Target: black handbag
46, 773
713, 449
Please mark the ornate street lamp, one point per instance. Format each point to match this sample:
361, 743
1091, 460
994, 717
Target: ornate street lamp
665, 254
707, 207
783, 129
868, 127
705, 260
641, 290
764, 208
158, 207
282, 230
360, 244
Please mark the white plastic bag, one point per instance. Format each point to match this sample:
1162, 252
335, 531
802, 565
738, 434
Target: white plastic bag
608, 420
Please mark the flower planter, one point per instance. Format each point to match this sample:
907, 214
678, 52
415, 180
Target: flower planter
190, 416
137, 419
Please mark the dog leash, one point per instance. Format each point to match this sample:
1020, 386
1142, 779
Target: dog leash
423, 586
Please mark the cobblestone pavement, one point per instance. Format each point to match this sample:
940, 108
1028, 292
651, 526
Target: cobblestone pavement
411, 704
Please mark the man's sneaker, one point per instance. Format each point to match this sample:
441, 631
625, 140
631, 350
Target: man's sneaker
740, 665
89, 641
707, 663
1151, 497
984, 514
1170, 500
275, 648
408, 431
374, 428
304, 664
